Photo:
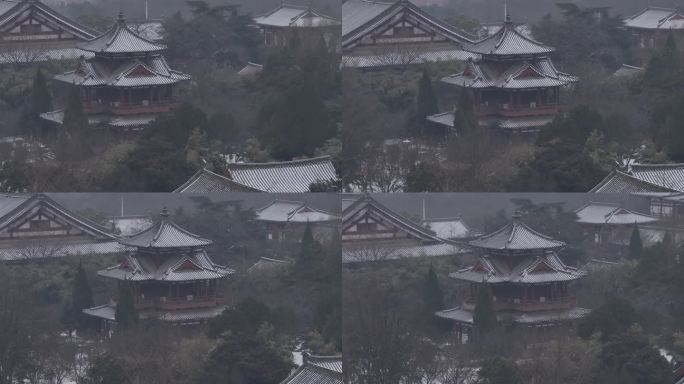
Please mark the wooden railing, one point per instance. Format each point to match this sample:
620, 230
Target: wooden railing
180, 303
126, 108
507, 110
529, 305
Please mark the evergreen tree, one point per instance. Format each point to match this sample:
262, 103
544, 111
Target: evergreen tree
74, 130
500, 371
81, 298
669, 248
125, 315
465, 121
307, 253
663, 69
484, 316
426, 101
433, 298
424, 177
41, 101
635, 246
75, 119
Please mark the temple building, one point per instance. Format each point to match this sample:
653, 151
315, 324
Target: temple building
30, 31
663, 184
378, 33
528, 282
317, 370
125, 84
609, 223
289, 22
170, 274
286, 221
35, 227
651, 27
514, 84
373, 232
294, 176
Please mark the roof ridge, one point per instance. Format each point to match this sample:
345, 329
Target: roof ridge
289, 162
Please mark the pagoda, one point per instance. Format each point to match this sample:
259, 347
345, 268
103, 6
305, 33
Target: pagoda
125, 84
514, 84
170, 274
527, 280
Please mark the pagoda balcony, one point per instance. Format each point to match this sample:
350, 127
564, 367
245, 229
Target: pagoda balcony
132, 108
529, 305
507, 110
170, 304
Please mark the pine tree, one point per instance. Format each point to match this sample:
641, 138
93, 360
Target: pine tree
81, 298
426, 101
635, 246
464, 115
74, 132
307, 252
484, 316
433, 298
663, 67
41, 101
74, 116
125, 315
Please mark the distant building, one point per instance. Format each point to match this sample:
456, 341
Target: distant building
608, 223
35, 227
651, 27
317, 370
527, 280
294, 176
127, 82
373, 232
251, 69
452, 228
391, 33
286, 221
170, 274
32, 31
283, 25
663, 184
628, 71
515, 85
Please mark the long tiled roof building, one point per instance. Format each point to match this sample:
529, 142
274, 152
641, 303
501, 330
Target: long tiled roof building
373, 232
34, 227
32, 31
317, 370
125, 84
390, 33
294, 176
525, 277
514, 83
170, 274
662, 183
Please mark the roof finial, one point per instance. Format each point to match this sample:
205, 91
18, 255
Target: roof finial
164, 213
507, 16
516, 215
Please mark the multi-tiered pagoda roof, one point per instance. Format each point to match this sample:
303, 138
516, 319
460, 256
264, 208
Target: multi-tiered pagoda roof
142, 64
183, 254
532, 67
170, 273
516, 86
535, 256
526, 277
125, 82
